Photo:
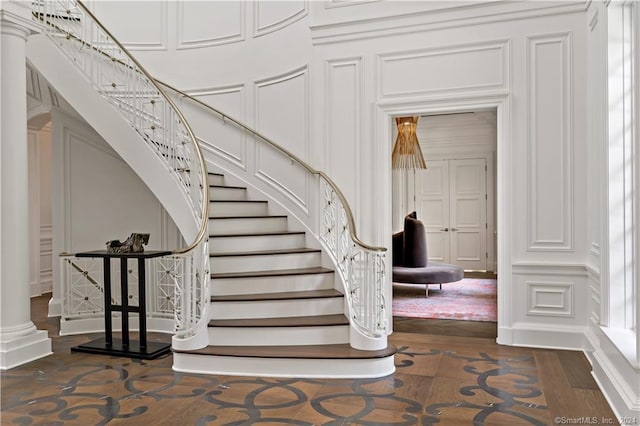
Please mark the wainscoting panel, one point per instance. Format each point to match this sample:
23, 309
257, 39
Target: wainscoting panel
549, 298
270, 16
150, 33
550, 182
344, 115
224, 23
467, 67
218, 136
282, 114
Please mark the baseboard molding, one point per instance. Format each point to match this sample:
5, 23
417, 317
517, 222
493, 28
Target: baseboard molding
535, 335
96, 325
55, 307
24, 349
617, 388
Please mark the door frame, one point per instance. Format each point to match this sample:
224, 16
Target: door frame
384, 113
489, 158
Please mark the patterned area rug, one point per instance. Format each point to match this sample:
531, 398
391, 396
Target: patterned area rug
470, 299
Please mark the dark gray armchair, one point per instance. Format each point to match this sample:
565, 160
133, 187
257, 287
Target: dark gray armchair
410, 258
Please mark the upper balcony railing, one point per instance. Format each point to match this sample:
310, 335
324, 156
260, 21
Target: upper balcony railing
121, 80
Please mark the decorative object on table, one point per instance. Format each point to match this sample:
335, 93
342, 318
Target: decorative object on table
133, 244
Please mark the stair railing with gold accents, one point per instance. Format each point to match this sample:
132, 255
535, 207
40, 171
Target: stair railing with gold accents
122, 81
361, 267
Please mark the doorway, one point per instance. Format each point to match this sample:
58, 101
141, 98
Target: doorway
455, 198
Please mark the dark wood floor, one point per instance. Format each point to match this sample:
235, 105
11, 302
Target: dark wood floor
448, 373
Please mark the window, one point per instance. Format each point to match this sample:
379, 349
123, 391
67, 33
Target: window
623, 219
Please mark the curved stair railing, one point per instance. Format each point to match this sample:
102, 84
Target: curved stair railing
122, 81
361, 266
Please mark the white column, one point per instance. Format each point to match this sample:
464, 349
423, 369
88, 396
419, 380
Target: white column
20, 341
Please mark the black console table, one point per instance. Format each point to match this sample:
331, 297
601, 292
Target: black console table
124, 347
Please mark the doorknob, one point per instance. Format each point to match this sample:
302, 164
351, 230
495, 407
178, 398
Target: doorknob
445, 229
454, 229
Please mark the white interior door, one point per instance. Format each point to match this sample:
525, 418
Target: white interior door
452, 203
468, 226
433, 208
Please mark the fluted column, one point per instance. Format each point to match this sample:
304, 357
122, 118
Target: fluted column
20, 341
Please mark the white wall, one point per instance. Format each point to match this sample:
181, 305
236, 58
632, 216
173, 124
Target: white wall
97, 197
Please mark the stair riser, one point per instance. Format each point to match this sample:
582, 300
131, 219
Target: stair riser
216, 180
278, 336
277, 308
284, 367
219, 193
237, 209
247, 225
257, 285
229, 264
256, 243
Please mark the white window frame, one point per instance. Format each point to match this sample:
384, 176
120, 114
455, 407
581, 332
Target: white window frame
622, 321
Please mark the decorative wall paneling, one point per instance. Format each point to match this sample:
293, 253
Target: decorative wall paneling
273, 16
331, 25
225, 23
222, 139
287, 124
343, 96
403, 74
139, 25
550, 142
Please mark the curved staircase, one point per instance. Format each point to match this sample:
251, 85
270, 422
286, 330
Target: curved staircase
270, 305
275, 310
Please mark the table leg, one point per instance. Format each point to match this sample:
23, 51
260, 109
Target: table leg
108, 329
124, 292
142, 304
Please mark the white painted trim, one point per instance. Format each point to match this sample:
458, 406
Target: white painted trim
182, 44
548, 336
162, 44
284, 367
618, 389
259, 31
24, 349
429, 20
565, 241
501, 45
384, 113
564, 293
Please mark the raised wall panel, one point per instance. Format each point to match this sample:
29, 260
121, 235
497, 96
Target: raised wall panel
202, 24
270, 16
343, 125
150, 33
550, 298
458, 68
106, 199
218, 136
33, 86
282, 115
550, 182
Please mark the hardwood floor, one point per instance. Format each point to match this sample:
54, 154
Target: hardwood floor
448, 373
